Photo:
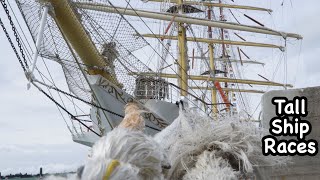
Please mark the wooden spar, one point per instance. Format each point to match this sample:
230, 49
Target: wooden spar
192, 58
234, 16
243, 39
213, 91
68, 22
253, 20
215, 41
231, 89
263, 77
169, 25
223, 94
166, 67
212, 67
184, 19
233, 60
219, 79
240, 56
210, 4
183, 54
244, 53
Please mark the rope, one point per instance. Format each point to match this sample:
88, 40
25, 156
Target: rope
92, 104
65, 110
82, 100
160, 42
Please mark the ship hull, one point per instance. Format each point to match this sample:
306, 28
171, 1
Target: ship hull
158, 114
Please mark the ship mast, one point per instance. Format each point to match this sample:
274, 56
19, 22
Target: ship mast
69, 23
70, 26
212, 68
182, 62
224, 55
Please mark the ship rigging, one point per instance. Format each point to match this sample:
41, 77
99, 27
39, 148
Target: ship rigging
100, 47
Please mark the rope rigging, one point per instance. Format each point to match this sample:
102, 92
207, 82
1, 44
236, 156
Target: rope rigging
56, 89
25, 64
161, 43
97, 28
64, 109
25, 68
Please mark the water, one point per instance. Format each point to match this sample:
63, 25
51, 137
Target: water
33, 178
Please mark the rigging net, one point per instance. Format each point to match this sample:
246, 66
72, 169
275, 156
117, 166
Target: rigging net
111, 34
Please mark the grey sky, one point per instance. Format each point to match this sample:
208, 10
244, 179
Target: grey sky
33, 134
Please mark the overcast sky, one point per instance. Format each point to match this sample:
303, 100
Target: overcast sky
33, 134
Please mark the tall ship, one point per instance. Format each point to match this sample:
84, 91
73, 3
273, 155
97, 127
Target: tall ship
92, 57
